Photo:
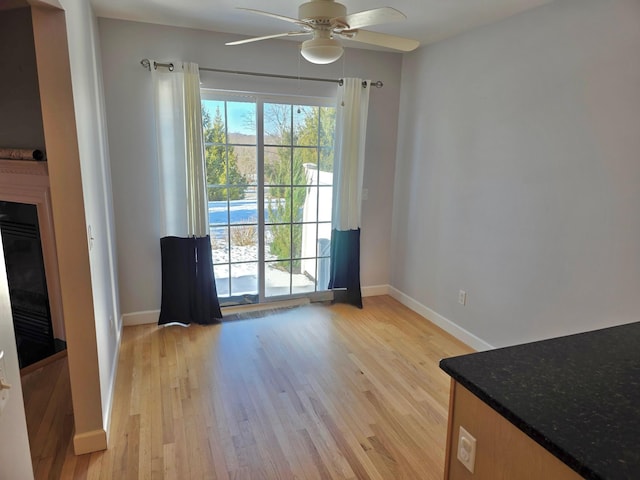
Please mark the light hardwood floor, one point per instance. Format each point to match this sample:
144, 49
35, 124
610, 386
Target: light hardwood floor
312, 392
47, 397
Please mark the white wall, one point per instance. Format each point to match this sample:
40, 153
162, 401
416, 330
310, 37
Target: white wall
132, 138
86, 71
518, 177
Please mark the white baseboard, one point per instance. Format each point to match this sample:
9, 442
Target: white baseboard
265, 306
140, 318
88, 442
434, 317
112, 385
375, 290
151, 316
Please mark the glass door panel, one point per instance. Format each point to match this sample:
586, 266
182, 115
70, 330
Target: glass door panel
230, 141
269, 190
298, 160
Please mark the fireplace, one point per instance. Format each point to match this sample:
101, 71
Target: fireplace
29, 246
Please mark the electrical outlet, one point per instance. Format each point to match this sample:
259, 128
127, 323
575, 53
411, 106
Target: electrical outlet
467, 449
462, 297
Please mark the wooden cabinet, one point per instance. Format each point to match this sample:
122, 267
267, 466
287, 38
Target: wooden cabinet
503, 452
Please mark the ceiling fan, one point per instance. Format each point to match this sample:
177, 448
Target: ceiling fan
328, 19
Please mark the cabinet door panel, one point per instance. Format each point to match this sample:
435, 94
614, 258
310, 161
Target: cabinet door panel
503, 452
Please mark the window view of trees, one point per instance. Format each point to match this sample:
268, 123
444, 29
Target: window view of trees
296, 158
300, 135
221, 160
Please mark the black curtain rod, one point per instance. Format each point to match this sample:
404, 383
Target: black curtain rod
146, 63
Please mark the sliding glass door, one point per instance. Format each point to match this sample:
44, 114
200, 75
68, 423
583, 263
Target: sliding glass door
270, 175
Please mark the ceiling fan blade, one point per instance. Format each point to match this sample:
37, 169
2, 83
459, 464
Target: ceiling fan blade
375, 16
381, 39
272, 15
267, 37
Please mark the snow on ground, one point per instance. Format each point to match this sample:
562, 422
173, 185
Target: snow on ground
249, 254
245, 253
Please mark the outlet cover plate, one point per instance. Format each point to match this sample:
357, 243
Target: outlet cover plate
467, 449
462, 297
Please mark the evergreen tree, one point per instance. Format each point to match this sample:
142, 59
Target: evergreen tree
315, 129
318, 129
221, 161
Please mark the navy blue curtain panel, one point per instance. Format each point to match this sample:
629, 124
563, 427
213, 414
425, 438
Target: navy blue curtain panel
189, 292
344, 278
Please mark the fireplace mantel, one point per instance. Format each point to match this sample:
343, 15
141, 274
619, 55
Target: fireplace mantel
26, 181
37, 172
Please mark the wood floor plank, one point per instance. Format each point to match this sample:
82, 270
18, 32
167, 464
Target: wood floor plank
315, 392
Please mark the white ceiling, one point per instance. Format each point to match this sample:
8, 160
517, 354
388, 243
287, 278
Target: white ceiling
427, 20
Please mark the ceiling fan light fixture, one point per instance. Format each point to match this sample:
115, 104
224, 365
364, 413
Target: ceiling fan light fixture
321, 50
325, 19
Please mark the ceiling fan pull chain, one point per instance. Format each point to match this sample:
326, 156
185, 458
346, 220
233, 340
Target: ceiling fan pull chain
343, 77
299, 93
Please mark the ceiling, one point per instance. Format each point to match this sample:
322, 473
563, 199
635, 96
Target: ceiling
427, 20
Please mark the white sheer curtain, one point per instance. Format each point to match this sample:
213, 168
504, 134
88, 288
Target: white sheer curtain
348, 168
183, 200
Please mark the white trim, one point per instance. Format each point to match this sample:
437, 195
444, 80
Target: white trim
375, 290
213, 94
434, 317
151, 316
112, 385
255, 307
140, 318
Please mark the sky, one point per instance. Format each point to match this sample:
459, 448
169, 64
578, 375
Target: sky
240, 115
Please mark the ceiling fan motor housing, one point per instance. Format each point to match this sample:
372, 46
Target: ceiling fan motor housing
321, 11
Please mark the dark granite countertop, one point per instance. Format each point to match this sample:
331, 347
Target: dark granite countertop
578, 396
